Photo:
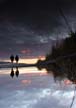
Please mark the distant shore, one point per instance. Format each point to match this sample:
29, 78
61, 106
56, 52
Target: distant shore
13, 65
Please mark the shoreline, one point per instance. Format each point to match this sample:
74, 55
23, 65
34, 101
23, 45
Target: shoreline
15, 65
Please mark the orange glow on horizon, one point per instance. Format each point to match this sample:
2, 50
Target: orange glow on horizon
41, 57
27, 70
28, 61
31, 60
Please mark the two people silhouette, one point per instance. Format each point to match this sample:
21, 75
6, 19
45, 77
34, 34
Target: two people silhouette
16, 58
16, 72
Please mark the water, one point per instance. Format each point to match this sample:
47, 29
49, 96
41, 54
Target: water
34, 89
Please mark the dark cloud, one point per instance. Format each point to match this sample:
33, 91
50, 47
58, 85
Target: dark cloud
31, 24
41, 16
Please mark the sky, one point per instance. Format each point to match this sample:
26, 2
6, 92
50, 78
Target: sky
30, 27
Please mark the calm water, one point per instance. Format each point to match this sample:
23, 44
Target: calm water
34, 89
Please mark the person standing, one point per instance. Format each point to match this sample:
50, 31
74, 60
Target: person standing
12, 58
17, 58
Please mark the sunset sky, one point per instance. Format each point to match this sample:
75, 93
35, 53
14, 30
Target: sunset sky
30, 27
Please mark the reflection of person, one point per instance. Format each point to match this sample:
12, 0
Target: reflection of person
17, 58
12, 58
12, 73
17, 72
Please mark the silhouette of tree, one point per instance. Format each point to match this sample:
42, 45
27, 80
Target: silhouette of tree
17, 58
12, 58
12, 73
17, 72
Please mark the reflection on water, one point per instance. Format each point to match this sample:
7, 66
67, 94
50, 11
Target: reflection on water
65, 71
58, 72
17, 72
14, 72
34, 89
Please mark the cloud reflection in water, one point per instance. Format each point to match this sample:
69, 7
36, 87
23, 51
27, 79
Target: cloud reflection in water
34, 91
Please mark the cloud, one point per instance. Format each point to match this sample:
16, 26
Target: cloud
26, 51
15, 38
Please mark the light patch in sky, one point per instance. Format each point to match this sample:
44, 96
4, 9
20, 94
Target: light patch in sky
31, 60
26, 51
28, 61
43, 39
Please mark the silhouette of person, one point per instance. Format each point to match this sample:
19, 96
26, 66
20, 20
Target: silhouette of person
17, 58
12, 58
12, 73
17, 72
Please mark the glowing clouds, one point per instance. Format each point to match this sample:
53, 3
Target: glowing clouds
25, 51
41, 57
